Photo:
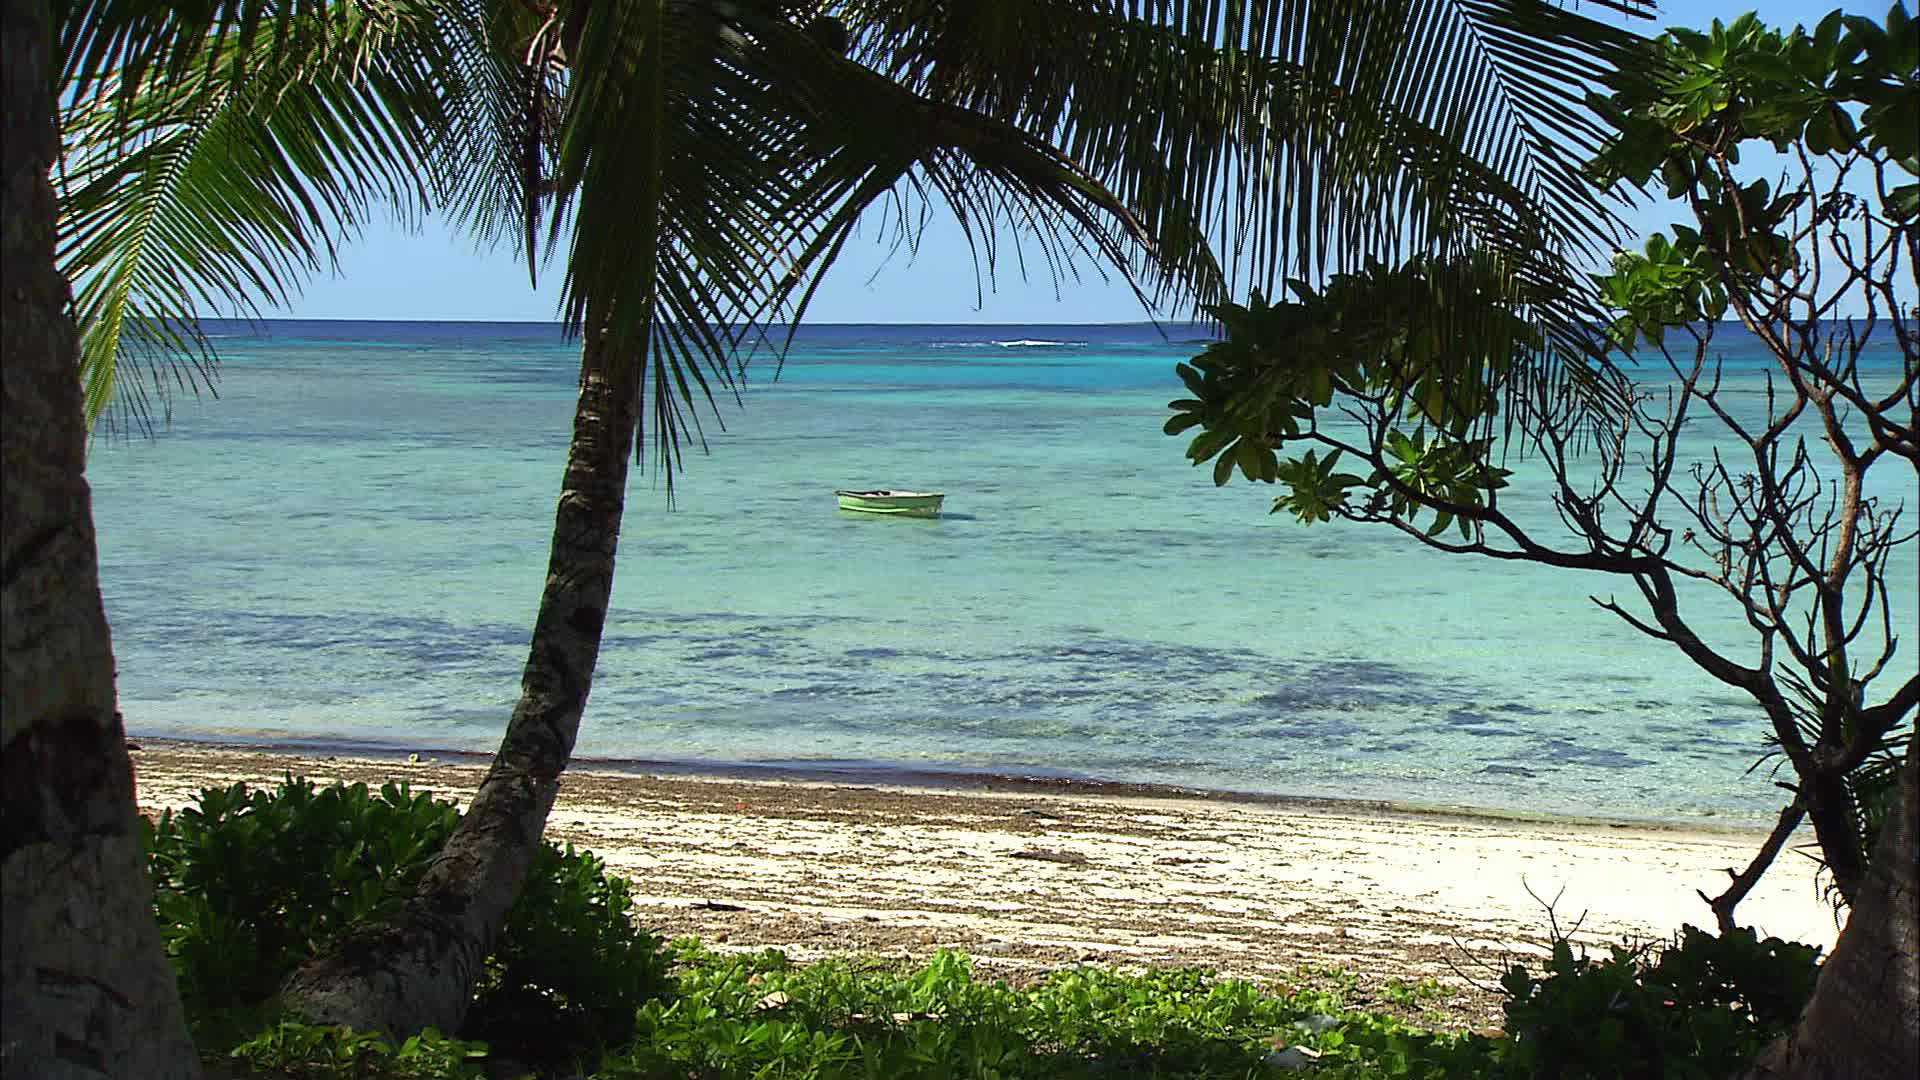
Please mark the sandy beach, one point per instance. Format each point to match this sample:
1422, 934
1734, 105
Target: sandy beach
1032, 876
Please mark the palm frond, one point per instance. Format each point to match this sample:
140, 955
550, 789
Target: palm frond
708, 161
1309, 139
220, 185
1265, 116
1875, 785
493, 160
120, 46
711, 166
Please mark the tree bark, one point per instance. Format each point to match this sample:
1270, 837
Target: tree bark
1864, 1020
1744, 880
1834, 814
85, 987
419, 970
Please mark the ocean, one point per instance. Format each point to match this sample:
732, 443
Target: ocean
347, 547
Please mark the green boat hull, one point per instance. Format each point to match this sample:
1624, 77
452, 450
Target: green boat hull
902, 503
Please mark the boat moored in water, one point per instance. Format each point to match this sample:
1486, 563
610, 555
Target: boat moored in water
885, 501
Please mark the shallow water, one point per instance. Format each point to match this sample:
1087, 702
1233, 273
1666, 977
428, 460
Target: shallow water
349, 545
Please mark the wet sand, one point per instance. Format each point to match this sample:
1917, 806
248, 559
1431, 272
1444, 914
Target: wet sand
1032, 876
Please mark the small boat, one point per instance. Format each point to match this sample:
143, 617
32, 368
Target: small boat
909, 503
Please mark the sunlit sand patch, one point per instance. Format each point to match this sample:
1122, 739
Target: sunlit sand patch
1030, 880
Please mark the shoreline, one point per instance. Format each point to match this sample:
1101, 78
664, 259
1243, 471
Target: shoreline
1028, 880
953, 779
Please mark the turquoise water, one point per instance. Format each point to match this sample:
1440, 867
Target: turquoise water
349, 544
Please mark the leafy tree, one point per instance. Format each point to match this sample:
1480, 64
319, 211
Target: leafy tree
698, 165
1378, 371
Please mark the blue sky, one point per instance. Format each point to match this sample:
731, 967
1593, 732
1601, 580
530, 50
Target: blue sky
435, 273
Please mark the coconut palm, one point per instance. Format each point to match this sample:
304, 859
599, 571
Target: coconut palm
698, 164
84, 984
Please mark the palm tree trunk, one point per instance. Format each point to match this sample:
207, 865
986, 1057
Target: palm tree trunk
420, 969
85, 988
1864, 1020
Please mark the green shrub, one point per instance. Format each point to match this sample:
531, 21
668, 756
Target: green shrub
1767, 981
296, 1051
250, 883
1700, 1007
759, 1016
571, 970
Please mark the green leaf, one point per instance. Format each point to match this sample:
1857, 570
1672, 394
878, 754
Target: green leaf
1208, 443
1903, 202
1196, 384
1223, 470
1177, 424
1248, 455
1402, 447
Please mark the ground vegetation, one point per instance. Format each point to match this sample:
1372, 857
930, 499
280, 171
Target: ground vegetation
575, 990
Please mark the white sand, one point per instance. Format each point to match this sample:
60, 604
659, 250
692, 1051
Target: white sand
1038, 878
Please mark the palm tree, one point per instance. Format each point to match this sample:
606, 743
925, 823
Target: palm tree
84, 985
702, 162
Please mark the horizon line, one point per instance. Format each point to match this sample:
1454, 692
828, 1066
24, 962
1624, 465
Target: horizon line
557, 322
809, 322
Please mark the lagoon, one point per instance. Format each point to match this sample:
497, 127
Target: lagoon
347, 547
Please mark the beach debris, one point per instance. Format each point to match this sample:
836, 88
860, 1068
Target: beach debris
413, 759
1293, 1057
716, 905
901, 1018
133, 747
1285, 1055
776, 1000
1066, 858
